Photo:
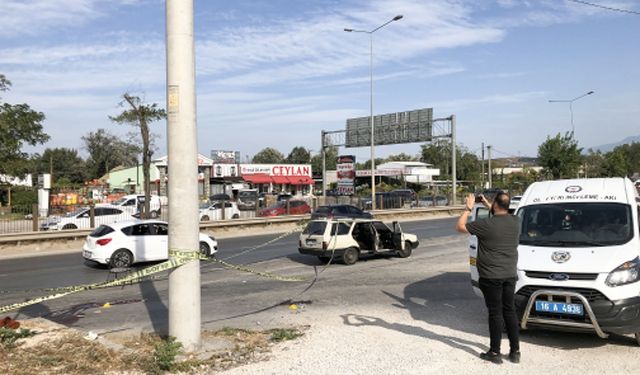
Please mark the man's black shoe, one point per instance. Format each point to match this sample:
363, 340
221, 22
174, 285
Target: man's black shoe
491, 357
514, 357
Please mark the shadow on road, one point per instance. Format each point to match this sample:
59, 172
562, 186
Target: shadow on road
447, 300
157, 310
470, 347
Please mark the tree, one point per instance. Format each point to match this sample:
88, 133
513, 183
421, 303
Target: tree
141, 115
268, 155
438, 153
65, 164
615, 163
299, 155
594, 164
560, 156
107, 151
331, 160
402, 157
19, 125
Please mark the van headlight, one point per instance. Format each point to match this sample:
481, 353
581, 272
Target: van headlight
627, 273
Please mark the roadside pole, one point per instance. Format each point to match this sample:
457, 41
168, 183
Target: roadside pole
454, 175
489, 170
184, 281
324, 167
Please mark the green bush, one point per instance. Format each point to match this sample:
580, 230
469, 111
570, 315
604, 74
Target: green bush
23, 197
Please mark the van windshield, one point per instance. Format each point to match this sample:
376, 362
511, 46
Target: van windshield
575, 224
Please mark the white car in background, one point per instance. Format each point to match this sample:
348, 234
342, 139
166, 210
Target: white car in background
131, 203
213, 211
514, 203
122, 244
81, 218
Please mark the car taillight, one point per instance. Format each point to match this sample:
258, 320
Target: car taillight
325, 245
103, 241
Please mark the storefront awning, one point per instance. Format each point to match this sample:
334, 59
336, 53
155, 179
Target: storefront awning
280, 180
301, 180
257, 178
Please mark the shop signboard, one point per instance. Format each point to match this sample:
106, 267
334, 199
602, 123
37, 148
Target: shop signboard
346, 173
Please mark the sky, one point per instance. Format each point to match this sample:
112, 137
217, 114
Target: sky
275, 73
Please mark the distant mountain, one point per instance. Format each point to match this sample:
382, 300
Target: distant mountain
611, 146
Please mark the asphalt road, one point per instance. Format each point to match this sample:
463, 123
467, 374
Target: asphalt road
69, 269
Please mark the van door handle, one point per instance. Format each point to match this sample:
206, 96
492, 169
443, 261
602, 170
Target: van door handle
472, 246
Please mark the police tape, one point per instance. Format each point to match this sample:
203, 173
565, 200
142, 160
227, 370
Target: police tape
176, 258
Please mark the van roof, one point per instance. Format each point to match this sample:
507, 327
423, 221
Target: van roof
615, 190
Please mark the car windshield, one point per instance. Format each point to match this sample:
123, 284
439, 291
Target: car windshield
120, 201
315, 227
247, 194
76, 212
575, 224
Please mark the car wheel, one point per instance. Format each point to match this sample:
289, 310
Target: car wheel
69, 226
637, 334
235, 216
154, 214
121, 258
350, 256
204, 218
205, 250
407, 250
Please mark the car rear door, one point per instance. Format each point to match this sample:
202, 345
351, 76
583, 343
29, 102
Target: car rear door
160, 232
479, 212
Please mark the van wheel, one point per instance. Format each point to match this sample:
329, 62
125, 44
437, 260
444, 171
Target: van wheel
407, 250
69, 226
204, 218
637, 334
235, 216
350, 256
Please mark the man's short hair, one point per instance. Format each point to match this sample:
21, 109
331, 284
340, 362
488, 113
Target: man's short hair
502, 200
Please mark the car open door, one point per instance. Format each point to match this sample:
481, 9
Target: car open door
479, 212
398, 240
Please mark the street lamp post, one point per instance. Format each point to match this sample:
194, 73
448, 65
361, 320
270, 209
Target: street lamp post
570, 101
373, 163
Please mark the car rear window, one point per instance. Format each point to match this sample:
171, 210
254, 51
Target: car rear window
100, 231
315, 227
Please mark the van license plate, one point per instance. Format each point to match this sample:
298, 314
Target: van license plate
560, 308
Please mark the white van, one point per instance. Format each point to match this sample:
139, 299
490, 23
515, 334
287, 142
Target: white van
578, 256
130, 204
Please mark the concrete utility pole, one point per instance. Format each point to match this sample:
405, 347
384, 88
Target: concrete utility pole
489, 167
454, 175
184, 281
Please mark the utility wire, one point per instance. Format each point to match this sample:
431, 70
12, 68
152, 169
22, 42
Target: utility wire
605, 7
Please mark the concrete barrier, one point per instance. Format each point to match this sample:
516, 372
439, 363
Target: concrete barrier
42, 241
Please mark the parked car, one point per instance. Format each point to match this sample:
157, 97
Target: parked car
81, 218
340, 210
247, 199
407, 195
133, 202
284, 197
384, 200
348, 238
122, 244
219, 197
296, 207
214, 211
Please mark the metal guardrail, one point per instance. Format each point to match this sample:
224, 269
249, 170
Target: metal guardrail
257, 222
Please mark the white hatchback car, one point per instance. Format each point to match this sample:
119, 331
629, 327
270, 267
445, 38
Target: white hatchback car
122, 244
81, 218
213, 211
348, 238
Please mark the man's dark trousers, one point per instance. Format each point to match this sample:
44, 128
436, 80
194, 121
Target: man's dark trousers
499, 298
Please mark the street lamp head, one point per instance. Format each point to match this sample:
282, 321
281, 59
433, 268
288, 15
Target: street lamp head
348, 30
590, 92
398, 17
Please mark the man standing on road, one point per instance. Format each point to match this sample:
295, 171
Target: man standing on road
496, 262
